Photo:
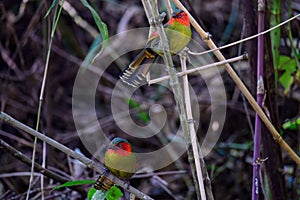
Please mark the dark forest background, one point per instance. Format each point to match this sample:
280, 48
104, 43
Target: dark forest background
23, 46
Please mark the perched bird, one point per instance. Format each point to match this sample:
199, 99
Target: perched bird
179, 34
120, 160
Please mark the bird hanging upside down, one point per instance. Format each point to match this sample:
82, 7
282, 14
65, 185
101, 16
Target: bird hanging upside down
179, 34
120, 160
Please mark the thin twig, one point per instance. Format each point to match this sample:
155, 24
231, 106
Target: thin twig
242, 86
164, 173
17, 174
239, 74
54, 25
78, 19
204, 67
169, 7
242, 40
20, 156
98, 167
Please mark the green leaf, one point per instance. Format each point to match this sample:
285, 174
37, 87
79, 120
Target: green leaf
286, 81
114, 193
142, 115
96, 48
51, 7
132, 103
101, 26
291, 125
91, 193
74, 183
287, 64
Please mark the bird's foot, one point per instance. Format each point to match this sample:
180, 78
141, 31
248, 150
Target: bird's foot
105, 171
127, 184
103, 183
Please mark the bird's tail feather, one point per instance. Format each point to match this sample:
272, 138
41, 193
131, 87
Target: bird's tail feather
136, 72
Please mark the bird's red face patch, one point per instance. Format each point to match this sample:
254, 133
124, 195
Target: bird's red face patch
122, 149
182, 18
125, 146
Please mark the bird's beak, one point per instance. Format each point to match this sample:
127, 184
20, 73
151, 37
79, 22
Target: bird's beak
113, 146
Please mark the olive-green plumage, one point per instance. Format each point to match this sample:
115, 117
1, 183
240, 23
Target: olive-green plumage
179, 34
120, 158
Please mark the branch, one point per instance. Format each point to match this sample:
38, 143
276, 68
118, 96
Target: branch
197, 152
98, 167
204, 67
151, 11
241, 86
245, 39
260, 92
19, 155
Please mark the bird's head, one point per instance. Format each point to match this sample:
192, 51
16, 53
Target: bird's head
179, 16
120, 145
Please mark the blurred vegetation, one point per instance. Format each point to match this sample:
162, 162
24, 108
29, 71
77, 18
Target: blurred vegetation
24, 33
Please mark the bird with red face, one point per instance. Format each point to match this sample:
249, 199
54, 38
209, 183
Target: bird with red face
179, 34
120, 160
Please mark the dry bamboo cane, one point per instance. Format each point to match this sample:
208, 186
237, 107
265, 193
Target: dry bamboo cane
151, 11
191, 127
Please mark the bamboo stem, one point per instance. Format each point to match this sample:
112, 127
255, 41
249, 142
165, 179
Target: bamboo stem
151, 11
259, 98
241, 86
169, 7
191, 127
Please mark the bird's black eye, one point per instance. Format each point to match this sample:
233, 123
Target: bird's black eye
179, 15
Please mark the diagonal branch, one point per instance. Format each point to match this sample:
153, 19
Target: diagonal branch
19, 155
98, 167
